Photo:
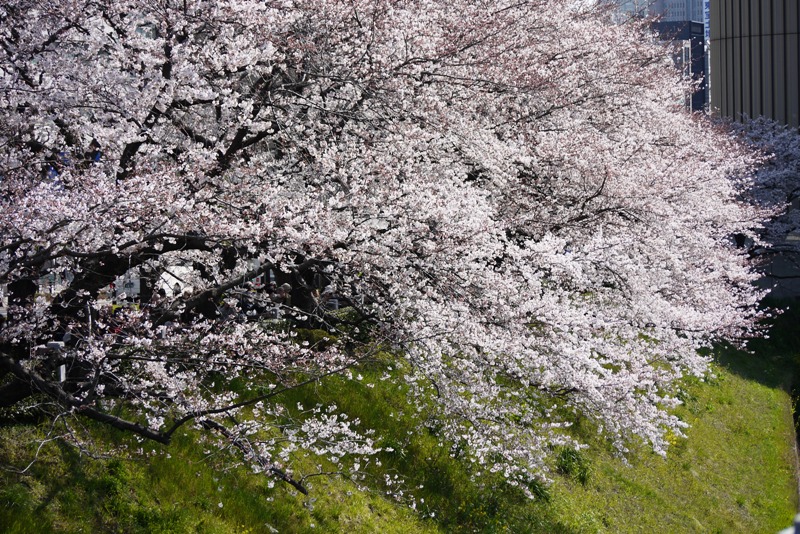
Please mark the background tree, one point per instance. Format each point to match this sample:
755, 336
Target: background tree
509, 196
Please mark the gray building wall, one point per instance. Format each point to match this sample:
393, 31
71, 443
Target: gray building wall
665, 10
677, 10
755, 58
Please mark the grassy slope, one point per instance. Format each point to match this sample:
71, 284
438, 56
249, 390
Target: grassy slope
735, 473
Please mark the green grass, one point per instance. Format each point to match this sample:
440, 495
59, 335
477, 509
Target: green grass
734, 473
184, 491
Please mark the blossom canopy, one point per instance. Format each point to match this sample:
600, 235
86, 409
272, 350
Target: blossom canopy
509, 197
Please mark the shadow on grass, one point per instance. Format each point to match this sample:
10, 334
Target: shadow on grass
773, 361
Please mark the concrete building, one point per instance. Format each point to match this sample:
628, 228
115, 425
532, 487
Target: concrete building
755, 58
631, 8
665, 10
679, 22
688, 39
678, 10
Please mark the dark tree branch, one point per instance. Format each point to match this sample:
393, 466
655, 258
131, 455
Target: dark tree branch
247, 450
14, 392
55, 392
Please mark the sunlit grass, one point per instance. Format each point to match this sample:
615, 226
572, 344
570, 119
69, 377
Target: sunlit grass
734, 473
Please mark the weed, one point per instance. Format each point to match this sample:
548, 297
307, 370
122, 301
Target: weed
573, 463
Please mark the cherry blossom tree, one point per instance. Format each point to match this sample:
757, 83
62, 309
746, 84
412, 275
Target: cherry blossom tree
776, 188
508, 197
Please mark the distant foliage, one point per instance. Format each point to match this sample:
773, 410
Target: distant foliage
508, 196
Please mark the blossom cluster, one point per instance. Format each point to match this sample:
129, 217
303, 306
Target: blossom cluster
507, 195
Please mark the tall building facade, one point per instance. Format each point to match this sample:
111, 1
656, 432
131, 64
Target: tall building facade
688, 38
679, 22
631, 8
755, 58
665, 10
678, 10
